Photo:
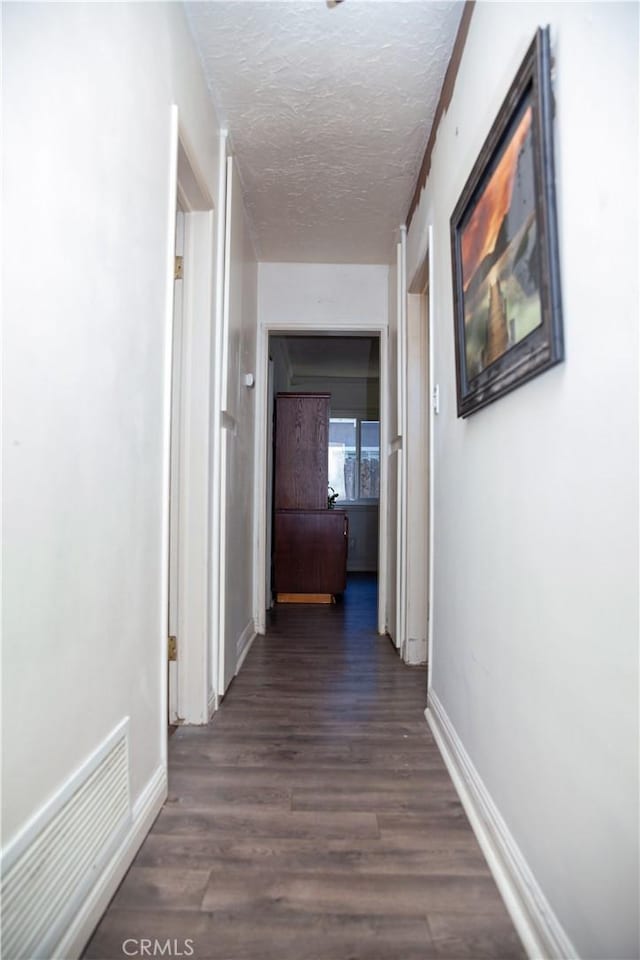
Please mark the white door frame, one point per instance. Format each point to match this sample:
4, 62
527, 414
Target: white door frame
163, 612
187, 187
271, 397
421, 287
217, 576
401, 461
222, 417
260, 503
175, 454
433, 406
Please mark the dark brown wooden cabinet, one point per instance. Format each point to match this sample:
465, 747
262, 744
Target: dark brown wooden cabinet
302, 444
311, 551
310, 541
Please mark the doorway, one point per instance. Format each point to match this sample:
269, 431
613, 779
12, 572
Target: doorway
350, 367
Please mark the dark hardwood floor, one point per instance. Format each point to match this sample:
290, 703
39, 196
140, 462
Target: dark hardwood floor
313, 819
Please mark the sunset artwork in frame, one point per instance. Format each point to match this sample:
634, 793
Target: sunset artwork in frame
508, 322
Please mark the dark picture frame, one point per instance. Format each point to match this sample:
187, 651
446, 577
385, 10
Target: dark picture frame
504, 246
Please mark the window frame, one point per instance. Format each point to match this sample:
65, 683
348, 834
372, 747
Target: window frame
359, 500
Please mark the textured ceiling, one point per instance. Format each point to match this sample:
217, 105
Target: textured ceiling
329, 112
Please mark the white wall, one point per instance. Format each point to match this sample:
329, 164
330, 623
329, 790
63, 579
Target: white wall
238, 434
87, 96
317, 297
333, 295
535, 660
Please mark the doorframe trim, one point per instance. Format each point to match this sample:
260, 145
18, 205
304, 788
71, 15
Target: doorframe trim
187, 184
172, 192
217, 548
195, 467
431, 417
400, 625
319, 328
223, 424
421, 284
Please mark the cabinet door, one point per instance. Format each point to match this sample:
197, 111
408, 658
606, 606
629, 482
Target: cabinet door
311, 551
302, 451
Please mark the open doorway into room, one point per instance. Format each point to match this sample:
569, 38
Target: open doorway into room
324, 393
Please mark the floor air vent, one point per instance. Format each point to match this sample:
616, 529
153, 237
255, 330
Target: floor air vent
51, 866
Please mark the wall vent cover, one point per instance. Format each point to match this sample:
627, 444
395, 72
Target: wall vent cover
48, 870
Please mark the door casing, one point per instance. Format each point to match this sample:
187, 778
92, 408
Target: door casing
260, 483
420, 295
188, 191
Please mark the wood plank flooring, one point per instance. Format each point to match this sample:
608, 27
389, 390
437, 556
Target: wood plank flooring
313, 819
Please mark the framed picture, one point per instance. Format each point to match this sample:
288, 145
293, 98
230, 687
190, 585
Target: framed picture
504, 244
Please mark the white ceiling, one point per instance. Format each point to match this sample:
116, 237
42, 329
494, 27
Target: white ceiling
329, 111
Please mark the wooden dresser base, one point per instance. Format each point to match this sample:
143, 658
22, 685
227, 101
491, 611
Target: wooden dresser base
305, 598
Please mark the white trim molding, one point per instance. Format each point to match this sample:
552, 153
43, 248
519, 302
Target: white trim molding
540, 930
187, 406
244, 644
431, 471
163, 614
402, 485
213, 702
216, 551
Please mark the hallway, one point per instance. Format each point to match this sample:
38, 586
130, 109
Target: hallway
335, 165
313, 818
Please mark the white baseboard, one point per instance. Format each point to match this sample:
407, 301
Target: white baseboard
212, 703
244, 643
145, 811
540, 930
415, 652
